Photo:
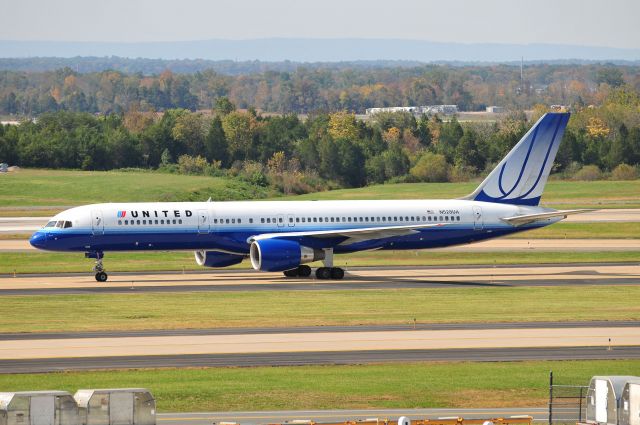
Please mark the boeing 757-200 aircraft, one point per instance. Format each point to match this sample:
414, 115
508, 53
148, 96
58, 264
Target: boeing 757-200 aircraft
285, 236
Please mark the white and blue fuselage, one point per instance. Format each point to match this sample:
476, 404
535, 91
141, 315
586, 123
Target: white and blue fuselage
283, 235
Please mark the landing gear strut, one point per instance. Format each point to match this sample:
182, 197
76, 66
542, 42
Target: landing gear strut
101, 275
326, 272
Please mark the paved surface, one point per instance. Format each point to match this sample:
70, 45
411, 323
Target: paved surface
399, 340
587, 245
357, 278
315, 329
254, 418
318, 358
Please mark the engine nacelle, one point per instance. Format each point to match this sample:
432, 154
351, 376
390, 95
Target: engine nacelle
217, 259
277, 255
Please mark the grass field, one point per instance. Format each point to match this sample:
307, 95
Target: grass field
314, 308
46, 262
412, 385
29, 187
62, 188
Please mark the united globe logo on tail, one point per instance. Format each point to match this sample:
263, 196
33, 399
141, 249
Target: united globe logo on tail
521, 176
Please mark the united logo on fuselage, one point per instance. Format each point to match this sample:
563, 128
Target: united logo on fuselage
157, 214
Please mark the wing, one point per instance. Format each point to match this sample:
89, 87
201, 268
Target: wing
351, 235
520, 220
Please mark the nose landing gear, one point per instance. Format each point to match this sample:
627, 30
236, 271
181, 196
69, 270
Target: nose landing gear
101, 275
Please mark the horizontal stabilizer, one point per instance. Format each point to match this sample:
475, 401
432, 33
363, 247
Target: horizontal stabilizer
520, 220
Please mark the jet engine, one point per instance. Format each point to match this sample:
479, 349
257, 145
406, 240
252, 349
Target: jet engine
276, 255
216, 258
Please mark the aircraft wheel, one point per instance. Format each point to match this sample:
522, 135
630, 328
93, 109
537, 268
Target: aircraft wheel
323, 273
304, 271
337, 273
101, 277
291, 273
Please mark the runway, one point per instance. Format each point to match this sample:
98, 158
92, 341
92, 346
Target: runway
316, 358
539, 414
315, 329
358, 278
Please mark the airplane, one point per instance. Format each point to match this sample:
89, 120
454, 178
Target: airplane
284, 236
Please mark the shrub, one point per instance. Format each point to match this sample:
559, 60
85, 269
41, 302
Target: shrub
431, 167
589, 173
624, 172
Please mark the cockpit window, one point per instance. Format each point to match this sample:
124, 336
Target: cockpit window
67, 224
60, 224
51, 224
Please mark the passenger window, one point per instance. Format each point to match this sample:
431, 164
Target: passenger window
367, 219
349, 219
144, 221
215, 221
297, 220
290, 219
344, 219
361, 219
280, 220
138, 222
413, 219
233, 220
384, 218
400, 218
268, 219
174, 221
119, 222
304, 220
156, 221
458, 218
315, 219
262, 220
320, 219
161, 221
446, 217
332, 219
239, 221
180, 221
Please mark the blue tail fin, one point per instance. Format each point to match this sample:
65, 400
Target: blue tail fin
521, 176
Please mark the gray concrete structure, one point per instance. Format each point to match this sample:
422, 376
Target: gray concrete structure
629, 413
38, 408
603, 398
122, 406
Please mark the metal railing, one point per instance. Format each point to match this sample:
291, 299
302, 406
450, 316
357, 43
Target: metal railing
566, 402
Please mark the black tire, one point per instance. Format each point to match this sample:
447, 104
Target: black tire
304, 271
291, 273
101, 277
337, 273
323, 273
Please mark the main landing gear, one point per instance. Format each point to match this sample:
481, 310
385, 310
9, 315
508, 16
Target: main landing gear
326, 272
101, 274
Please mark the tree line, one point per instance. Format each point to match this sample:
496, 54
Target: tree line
313, 88
325, 150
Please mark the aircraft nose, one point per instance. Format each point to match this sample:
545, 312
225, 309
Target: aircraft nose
38, 240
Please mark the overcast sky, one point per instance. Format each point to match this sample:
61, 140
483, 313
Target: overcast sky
611, 23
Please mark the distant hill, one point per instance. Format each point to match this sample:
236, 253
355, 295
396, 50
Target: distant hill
318, 50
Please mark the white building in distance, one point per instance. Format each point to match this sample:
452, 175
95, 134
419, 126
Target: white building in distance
417, 110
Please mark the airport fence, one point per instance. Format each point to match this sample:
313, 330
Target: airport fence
566, 402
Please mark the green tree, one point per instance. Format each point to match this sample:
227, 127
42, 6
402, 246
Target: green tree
216, 146
431, 168
224, 106
239, 129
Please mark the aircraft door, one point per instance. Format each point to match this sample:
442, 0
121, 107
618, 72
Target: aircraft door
97, 223
291, 220
203, 221
478, 221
